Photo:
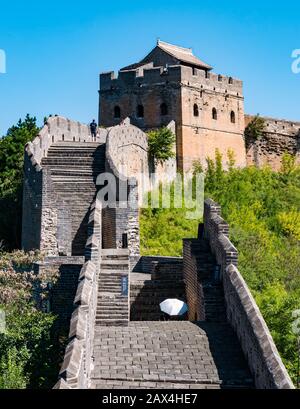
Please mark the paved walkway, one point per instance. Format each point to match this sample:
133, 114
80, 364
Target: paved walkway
149, 354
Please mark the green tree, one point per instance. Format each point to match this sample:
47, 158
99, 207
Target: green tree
29, 349
255, 128
161, 144
11, 174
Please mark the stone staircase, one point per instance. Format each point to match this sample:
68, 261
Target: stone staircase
214, 304
152, 353
113, 305
166, 281
74, 167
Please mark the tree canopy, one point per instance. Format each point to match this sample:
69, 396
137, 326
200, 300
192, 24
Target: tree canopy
11, 175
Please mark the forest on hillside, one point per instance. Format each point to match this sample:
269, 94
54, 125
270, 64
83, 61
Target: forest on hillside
262, 208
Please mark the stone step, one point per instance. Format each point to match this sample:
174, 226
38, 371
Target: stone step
115, 282
114, 252
110, 272
75, 144
110, 290
73, 167
111, 323
107, 297
114, 262
113, 308
101, 314
89, 159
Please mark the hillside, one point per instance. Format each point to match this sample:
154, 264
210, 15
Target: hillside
263, 210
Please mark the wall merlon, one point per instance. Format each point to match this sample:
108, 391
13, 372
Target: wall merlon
278, 126
140, 77
59, 129
176, 73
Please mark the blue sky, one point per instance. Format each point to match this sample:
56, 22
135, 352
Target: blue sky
56, 50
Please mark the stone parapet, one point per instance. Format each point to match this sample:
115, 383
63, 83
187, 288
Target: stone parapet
77, 365
59, 129
164, 76
242, 311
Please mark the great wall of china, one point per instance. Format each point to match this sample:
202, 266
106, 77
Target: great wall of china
107, 293
117, 337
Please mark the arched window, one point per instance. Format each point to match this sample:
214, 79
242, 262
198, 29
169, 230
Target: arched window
196, 110
140, 111
214, 114
117, 112
164, 109
232, 117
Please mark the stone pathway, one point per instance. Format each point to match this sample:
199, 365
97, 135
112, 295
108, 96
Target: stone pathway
170, 354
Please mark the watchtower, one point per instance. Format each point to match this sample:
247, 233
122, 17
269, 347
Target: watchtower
171, 83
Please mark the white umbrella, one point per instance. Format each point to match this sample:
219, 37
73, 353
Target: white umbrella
172, 306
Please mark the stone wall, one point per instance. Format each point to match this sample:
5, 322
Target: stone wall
63, 290
32, 205
126, 151
242, 312
193, 287
201, 134
280, 137
145, 263
127, 160
77, 365
118, 221
151, 89
49, 219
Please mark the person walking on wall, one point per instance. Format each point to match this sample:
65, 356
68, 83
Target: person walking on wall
93, 127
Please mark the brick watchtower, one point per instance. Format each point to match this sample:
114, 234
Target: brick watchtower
170, 83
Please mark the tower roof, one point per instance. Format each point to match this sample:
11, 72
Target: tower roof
182, 54
164, 53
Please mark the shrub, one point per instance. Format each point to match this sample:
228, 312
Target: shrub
290, 223
288, 163
197, 167
255, 128
12, 374
28, 330
161, 144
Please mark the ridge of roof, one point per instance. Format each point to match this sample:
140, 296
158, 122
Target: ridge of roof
174, 47
182, 54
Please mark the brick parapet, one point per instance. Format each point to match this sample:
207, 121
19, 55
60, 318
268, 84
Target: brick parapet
278, 126
172, 75
193, 286
257, 343
59, 129
77, 365
242, 311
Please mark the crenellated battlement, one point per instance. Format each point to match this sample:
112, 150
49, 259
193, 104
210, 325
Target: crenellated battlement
179, 74
211, 81
59, 129
151, 76
278, 126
